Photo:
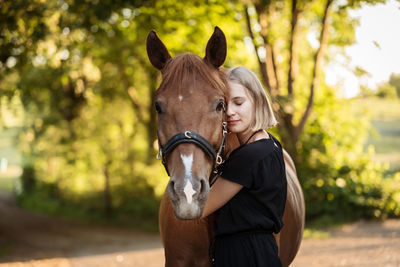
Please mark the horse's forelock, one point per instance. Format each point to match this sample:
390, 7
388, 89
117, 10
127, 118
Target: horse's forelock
190, 67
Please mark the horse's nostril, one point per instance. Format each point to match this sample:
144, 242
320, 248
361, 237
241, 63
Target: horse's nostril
203, 188
171, 190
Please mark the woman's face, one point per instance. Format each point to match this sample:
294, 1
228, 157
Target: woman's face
240, 110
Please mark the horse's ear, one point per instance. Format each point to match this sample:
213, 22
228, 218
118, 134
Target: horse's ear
156, 51
216, 48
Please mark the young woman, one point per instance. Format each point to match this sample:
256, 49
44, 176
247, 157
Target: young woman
250, 194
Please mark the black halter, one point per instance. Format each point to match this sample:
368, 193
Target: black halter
197, 139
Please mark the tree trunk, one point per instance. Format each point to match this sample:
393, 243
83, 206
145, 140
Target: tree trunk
261, 62
317, 66
292, 49
284, 105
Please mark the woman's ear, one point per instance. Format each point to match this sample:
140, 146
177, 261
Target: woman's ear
216, 48
156, 51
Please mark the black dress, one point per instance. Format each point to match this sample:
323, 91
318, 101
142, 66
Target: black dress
244, 226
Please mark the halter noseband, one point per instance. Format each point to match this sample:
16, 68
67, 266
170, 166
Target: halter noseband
200, 141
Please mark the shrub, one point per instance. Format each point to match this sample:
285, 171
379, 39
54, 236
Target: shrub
339, 179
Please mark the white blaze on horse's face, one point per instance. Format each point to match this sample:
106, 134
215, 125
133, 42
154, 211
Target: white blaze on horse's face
188, 189
189, 192
180, 98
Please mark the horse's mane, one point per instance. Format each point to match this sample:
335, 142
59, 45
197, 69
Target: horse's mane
190, 68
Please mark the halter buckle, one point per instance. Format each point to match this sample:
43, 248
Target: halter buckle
159, 154
187, 135
218, 160
224, 128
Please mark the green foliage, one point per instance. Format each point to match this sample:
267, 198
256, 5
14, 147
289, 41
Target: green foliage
28, 179
138, 211
385, 115
72, 167
22, 25
88, 125
339, 179
86, 88
7, 183
365, 92
394, 80
386, 90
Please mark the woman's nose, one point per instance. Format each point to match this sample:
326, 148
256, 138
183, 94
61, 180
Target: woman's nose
229, 111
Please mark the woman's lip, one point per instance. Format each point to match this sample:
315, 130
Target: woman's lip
233, 122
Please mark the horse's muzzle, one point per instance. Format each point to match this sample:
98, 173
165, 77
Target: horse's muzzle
188, 198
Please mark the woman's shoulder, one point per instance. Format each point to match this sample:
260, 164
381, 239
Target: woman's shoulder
264, 143
255, 151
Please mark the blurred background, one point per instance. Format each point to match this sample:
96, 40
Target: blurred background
78, 127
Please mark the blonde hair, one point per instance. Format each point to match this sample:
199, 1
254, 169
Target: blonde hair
264, 116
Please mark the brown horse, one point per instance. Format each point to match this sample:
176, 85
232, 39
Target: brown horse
190, 110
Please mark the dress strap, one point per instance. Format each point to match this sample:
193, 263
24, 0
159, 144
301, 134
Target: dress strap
252, 136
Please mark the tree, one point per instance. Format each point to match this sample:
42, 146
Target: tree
394, 80
290, 67
386, 90
87, 90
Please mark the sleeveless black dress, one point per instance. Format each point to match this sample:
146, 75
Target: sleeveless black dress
244, 226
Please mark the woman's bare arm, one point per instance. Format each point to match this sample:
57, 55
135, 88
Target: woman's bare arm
220, 193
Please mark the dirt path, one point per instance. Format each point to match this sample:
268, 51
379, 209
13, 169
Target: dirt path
30, 239
357, 244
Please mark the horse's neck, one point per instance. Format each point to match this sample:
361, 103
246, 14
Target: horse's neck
232, 142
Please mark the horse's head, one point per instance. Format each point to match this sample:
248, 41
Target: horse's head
190, 105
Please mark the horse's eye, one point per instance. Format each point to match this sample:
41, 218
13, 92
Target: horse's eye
158, 107
220, 105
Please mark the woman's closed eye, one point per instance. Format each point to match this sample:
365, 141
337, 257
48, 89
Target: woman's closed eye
238, 100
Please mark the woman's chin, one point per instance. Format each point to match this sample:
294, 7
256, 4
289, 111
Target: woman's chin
236, 129
233, 128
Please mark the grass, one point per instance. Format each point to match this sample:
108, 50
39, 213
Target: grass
9, 152
7, 146
321, 227
387, 142
311, 233
388, 138
5, 248
381, 109
385, 119
41, 202
7, 183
